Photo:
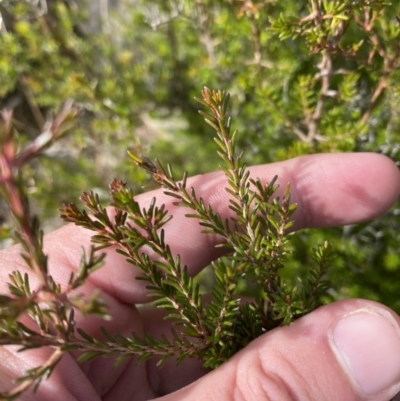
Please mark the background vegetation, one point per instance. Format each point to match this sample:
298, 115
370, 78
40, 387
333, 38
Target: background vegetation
305, 77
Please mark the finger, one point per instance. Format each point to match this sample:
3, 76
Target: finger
330, 189
345, 351
70, 381
67, 382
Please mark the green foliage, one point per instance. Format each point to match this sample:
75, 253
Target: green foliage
306, 77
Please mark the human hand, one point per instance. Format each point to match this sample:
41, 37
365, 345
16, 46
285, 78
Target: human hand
348, 350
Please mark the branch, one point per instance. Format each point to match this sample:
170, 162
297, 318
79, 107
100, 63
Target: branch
325, 74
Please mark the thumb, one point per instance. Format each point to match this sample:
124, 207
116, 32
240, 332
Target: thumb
346, 351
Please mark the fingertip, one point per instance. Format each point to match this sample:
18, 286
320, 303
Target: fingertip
380, 176
338, 189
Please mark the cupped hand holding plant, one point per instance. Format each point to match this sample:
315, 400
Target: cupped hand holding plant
286, 363
74, 321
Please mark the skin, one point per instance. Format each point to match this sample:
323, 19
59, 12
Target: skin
290, 363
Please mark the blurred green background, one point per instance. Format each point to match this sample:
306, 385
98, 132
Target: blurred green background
305, 77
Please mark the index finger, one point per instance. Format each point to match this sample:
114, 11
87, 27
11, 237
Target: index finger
330, 189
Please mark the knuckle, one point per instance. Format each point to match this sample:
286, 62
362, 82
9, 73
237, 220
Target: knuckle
259, 381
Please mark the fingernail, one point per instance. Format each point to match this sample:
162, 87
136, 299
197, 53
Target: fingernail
367, 345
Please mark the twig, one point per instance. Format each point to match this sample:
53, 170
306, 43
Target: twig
29, 381
325, 73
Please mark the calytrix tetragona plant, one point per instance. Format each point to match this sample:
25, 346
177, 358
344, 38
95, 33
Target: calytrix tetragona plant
255, 240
